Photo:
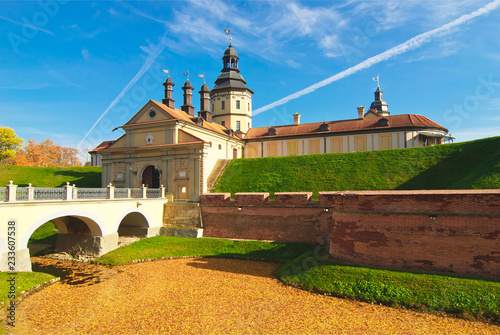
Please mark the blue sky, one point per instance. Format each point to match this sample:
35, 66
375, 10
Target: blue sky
67, 64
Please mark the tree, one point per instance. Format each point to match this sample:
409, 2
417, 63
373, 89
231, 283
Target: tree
47, 154
9, 143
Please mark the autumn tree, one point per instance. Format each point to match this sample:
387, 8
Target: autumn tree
9, 143
47, 154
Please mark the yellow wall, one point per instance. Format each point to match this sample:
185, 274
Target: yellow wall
272, 149
314, 146
292, 148
360, 143
337, 144
385, 141
251, 150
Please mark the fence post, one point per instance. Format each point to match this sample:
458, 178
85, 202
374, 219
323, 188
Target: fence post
144, 191
11, 192
31, 192
111, 190
129, 193
162, 191
69, 191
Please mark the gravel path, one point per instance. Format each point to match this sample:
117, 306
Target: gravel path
210, 295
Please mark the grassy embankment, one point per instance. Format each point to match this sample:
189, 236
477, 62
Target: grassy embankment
51, 176
466, 165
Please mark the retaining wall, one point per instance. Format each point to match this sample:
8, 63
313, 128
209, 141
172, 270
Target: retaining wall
455, 232
292, 217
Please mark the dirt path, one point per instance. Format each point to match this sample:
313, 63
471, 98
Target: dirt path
201, 296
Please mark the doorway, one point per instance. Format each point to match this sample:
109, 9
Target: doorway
151, 177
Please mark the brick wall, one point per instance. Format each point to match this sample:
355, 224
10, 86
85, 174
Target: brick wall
456, 232
292, 217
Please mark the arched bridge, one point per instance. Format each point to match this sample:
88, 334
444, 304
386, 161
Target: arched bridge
89, 220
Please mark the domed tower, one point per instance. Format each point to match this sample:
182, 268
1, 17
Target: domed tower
231, 99
379, 104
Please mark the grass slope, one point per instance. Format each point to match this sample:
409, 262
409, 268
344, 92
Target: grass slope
466, 165
50, 176
166, 246
465, 298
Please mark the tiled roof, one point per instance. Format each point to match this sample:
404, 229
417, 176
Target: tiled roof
102, 146
368, 123
181, 115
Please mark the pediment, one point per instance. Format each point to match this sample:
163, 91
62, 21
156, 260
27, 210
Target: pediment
150, 112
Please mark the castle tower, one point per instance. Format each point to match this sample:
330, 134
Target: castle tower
188, 98
169, 84
379, 104
230, 99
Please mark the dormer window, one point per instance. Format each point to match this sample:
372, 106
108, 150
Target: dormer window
272, 131
383, 122
324, 127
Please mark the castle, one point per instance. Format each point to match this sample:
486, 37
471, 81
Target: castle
166, 146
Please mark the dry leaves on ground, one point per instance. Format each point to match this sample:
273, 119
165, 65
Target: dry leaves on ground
211, 295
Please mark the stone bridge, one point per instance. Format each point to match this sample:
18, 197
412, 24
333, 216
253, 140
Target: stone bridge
89, 220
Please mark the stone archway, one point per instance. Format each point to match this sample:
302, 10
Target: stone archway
151, 177
133, 224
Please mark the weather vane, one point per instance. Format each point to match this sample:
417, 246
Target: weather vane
377, 79
228, 32
186, 74
202, 76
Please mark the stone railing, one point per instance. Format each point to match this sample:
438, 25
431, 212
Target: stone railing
12, 193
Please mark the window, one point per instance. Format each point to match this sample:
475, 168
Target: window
324, 127
272, 131
237, 104
220, 146
152, 114
224, 123
223, 105
238, 125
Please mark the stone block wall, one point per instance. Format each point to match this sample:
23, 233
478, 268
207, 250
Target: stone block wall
292, 217
451, 232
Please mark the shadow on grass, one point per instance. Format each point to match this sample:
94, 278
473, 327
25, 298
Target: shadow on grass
81, 178
462, 169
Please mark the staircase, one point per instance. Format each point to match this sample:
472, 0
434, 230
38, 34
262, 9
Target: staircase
217, 171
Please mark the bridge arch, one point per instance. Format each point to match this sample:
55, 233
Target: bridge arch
133, 222
94, 223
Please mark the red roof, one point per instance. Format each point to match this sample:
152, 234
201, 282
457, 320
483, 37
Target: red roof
102, 146
181, 115
366, 124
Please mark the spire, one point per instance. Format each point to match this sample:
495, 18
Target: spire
169, 84
379, 104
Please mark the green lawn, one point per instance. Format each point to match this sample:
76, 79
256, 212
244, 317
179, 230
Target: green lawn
466, 165
50, 176
167, 246
465, 298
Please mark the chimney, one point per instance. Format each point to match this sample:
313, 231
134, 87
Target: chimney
187, 107
361, 112
296, 119
205, 103
169, 84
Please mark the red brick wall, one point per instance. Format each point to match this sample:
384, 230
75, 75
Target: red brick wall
455, 232
292, 217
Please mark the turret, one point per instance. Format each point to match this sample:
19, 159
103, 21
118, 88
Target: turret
188, 98
169, 84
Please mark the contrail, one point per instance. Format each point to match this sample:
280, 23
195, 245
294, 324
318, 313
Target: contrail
411, 44
149, 60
